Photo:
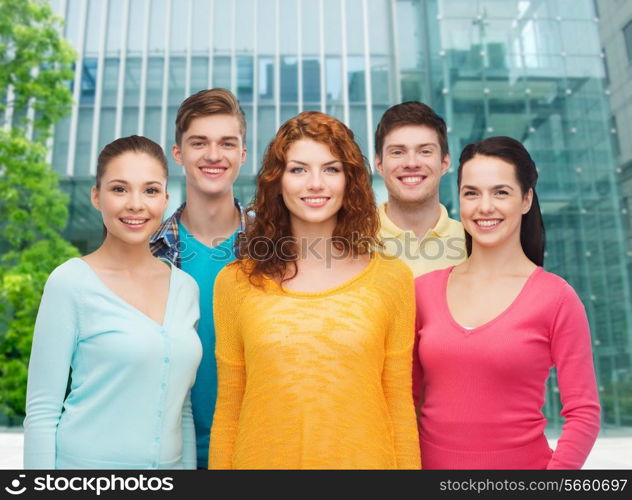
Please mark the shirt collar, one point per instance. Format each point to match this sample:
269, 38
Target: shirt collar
442, 227
440, 230
168, 231
387, 225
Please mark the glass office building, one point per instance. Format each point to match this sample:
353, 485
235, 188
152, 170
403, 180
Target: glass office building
531, 69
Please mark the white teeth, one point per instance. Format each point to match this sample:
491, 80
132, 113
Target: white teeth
315, 201
487, 223
213, 170
411, 180
134, 222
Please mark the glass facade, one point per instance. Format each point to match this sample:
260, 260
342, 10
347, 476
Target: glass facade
530, 69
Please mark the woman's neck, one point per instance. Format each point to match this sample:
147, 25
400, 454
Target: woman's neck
314, 241
117, 255
508, 259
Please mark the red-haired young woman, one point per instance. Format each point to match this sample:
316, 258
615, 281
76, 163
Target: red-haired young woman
314, 326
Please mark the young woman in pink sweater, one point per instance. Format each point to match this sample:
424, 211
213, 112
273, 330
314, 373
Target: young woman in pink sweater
489, 330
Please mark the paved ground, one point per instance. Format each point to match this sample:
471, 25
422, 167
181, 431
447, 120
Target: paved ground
613, 450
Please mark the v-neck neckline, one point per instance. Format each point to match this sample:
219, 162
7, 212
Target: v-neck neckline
165, 314
495, 319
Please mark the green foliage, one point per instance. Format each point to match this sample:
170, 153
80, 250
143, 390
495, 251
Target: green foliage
617, 393
36, 66
21, 289
35, 62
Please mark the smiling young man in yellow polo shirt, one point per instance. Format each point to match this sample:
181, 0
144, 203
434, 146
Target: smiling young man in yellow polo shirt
412, 155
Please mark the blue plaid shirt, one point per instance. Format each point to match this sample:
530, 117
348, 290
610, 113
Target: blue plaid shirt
165, 242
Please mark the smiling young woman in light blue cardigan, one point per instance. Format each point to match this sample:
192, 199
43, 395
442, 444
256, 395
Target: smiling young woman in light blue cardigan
128, 402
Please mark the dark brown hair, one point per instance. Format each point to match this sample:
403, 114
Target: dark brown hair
532, 237
357, 220
205, 103
131, 144
410, 113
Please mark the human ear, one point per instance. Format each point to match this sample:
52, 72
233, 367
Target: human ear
527, 201
445, 163
94, 198
378, 165
176, 152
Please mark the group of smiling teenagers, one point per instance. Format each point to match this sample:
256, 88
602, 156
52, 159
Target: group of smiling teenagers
311, 329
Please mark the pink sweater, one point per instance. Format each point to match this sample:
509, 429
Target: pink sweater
481, 390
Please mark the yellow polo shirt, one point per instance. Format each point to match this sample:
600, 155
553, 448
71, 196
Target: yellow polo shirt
442, 246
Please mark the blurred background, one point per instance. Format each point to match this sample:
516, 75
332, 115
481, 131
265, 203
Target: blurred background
554, 74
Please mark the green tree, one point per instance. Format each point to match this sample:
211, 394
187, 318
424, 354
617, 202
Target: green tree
36, 66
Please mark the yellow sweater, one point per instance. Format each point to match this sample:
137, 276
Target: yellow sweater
316, 380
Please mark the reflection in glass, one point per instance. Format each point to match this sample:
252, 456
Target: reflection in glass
221, 72
311, 82
199, 74
333, 78
177, 69
131, 96
245, 78
289, 79
88, 81
355, 69
266, 78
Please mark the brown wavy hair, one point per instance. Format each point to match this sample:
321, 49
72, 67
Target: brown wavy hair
268, 243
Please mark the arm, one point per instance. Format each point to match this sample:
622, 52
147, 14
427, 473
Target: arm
396, 376
189, 456
231, 370
54, 341
572, 355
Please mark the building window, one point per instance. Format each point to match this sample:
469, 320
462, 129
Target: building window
627, 35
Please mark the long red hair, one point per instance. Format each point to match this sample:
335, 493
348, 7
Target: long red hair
267, 244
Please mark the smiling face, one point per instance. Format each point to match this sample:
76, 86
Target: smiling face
132, 197
312, 187
412, 164
492, 203
211, 152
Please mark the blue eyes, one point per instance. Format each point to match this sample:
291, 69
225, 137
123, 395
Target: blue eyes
328, 170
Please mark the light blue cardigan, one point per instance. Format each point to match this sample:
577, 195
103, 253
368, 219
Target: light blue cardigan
129, 403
